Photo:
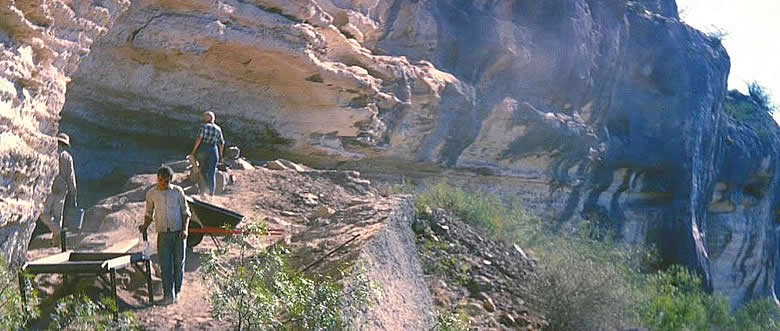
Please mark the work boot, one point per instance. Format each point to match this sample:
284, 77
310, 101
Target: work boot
166, 301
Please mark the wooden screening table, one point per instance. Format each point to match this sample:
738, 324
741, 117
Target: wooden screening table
87, 263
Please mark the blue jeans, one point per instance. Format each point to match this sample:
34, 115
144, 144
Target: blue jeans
208, 155
171, 250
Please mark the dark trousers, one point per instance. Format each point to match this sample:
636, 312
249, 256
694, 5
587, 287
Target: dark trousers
171, 250
208, 155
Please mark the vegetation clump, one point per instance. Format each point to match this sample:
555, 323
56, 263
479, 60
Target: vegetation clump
587, 280
753, 108
74, 312
13, 314
79, 312
259, 290
449, 322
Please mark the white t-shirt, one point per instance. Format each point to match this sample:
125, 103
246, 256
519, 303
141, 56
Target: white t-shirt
167, 208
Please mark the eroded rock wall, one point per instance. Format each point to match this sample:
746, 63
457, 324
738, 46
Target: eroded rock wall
41, 44
614, 106
275, 72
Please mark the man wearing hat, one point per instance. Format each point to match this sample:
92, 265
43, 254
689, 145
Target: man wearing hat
64, 184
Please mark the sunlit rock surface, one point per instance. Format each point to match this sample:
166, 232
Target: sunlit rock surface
607, 110
41, 44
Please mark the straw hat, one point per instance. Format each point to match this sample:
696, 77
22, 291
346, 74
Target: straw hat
63, 138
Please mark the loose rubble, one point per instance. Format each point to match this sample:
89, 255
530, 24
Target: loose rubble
471, 274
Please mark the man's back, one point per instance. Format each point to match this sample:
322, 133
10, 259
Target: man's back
66, 178
211, 133
167, 207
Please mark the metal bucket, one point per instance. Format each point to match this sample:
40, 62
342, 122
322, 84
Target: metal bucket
74, 219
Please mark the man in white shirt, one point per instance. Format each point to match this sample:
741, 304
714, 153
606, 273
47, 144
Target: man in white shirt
166, 205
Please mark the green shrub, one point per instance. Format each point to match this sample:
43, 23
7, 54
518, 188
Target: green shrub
579, 288
751, 108
580, 283
678, 302
758, 315
79, 312
504, 220
259, 291
449, 322
740, 111
585, 280
12, 315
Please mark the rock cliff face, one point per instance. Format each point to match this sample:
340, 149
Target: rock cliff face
41, 44
616, 106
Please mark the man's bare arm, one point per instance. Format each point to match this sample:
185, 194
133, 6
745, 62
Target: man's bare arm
186, 229
185, 215
197, 143
71, 174
147, 222
149, 211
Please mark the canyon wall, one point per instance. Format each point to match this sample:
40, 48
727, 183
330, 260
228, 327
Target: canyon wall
612, 109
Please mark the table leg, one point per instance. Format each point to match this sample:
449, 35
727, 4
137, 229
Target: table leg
63, 240
149, 280
113, 291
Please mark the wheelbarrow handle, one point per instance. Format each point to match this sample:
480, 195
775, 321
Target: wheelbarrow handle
219, 230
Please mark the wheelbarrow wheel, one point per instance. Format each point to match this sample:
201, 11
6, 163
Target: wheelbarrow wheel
193, 239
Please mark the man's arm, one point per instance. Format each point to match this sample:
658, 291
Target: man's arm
147, 222
197, 143
220, 142
185, 230
185, 215
149, 212
71, 173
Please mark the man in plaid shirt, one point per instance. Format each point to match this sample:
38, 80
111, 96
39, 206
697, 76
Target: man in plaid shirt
209, 145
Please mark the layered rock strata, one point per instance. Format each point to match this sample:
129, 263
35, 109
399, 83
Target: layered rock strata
41, 44
616, 104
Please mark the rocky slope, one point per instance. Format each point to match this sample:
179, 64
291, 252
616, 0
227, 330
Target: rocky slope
471, 274
41, 44
610, 109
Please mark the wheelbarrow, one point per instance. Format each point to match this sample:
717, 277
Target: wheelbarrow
213, 220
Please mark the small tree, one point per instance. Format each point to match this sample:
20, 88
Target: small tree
259, 291
579, 292
79, 312
678, 302
760, 96
13, 314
